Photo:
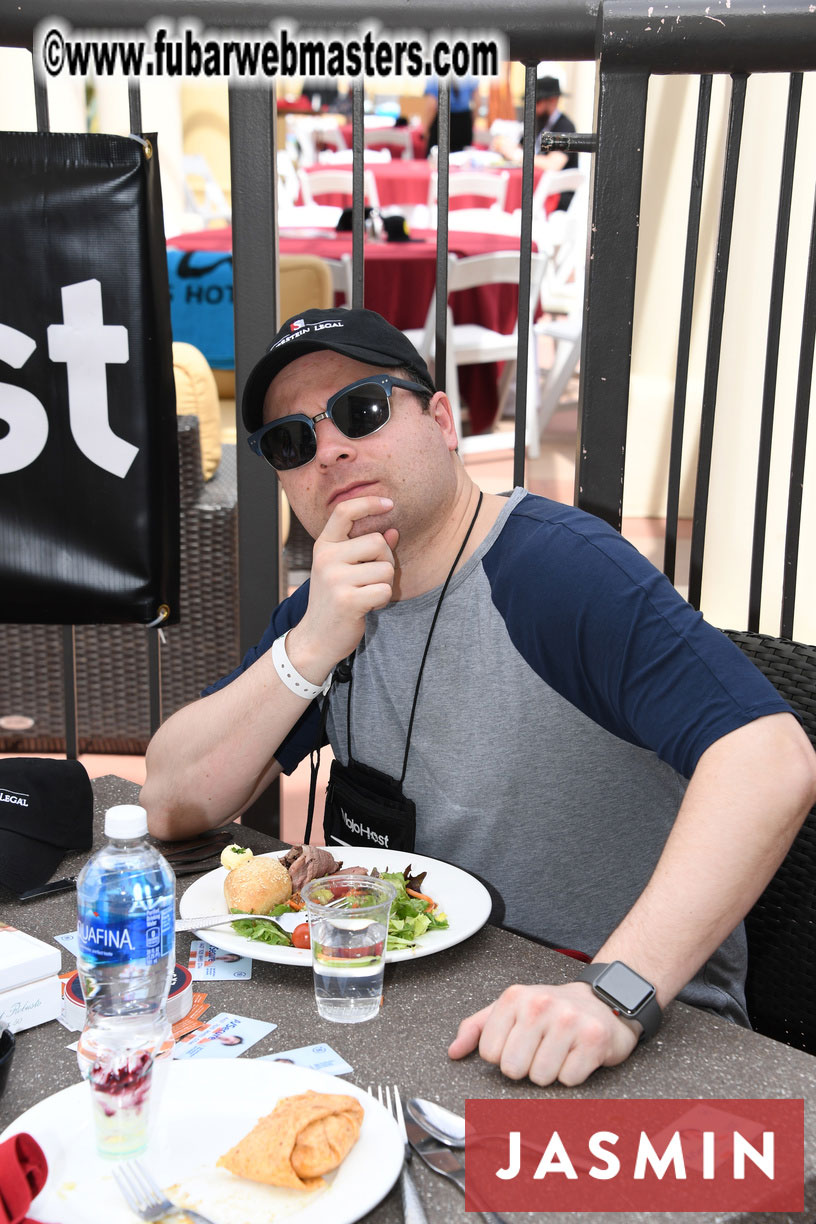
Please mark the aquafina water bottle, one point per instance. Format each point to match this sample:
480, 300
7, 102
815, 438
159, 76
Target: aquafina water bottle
125, 958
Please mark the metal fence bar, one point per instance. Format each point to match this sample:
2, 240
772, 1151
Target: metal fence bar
442, 186
135, 107
41, 106
772, 351
606, 343
799, 441
564, 29
358, 196
253, 123
68, 631
684, 336
154, 660
523, 356
715, 322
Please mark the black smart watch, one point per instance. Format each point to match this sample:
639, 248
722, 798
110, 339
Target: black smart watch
626, 992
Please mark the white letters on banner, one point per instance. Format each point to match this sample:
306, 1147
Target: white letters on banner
86, 345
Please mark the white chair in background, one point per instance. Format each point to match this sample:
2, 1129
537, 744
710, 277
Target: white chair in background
488, 183
556, 182
565, 331
345, 157
397, 138
485, 221
340, 270
563, 236
202, 193
471, 343
331, 180
288, 185
308, 216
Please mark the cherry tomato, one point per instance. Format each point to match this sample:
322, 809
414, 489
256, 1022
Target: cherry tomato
300, 936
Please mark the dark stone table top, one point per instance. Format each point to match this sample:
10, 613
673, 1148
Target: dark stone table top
694, 1054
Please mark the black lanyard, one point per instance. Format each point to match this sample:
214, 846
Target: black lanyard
315, 753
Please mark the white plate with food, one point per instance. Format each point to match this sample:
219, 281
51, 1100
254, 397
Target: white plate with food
460, 896
204, 1113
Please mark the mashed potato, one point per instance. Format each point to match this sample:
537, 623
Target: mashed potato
235, 856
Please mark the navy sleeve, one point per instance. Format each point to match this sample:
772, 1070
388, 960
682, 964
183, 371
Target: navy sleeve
301, 739
609, 632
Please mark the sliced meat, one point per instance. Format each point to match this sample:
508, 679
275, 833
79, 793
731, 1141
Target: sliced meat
309, 863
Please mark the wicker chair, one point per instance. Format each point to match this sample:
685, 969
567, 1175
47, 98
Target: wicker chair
111, 660
781, 927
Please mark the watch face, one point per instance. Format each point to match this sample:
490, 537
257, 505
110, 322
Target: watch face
624, 987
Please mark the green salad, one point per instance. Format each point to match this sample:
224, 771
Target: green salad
412, 914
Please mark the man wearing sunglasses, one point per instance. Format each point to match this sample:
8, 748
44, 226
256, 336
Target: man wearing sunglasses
528, 698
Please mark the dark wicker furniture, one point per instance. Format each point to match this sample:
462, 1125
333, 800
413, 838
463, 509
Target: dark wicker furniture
111, 660
781, 927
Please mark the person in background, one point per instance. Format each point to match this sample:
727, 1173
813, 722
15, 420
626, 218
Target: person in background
464, 94
548, 118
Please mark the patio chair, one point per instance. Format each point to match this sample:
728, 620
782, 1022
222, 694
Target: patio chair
341, 278
398, 140
487, 183
335, 180
484, 221
472, 343
781, 927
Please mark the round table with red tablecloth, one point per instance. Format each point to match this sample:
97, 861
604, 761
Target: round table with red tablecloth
399, 284
407, 182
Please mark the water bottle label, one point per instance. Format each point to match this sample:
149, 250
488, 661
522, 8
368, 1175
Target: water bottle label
147, 936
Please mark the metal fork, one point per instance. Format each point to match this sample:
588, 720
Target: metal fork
412, 1210
144, 1197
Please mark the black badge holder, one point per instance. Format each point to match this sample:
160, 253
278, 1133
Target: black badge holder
365, 807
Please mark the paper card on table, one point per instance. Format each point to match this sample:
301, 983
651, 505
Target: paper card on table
192, 1020
319, 1057
207, 962
225, 1036
68, 941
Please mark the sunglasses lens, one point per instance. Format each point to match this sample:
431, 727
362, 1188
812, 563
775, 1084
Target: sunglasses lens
289, 445
361, 411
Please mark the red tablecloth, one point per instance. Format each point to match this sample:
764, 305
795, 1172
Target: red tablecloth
407, 182
417, 140
399, 283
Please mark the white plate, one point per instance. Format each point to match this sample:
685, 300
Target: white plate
463, 898
204, 1111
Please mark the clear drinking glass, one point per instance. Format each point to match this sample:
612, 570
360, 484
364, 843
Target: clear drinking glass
348, 925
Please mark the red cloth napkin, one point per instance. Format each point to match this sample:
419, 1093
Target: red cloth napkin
23, 1172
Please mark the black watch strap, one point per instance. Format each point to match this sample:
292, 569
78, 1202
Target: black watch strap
626, 992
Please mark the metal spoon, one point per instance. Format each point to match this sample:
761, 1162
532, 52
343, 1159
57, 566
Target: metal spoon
446, 1127
438, 1121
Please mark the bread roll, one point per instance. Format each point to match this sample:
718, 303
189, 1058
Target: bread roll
257, 886
304, 1137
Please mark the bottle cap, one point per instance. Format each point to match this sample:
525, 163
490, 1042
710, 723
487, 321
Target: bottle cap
125, 821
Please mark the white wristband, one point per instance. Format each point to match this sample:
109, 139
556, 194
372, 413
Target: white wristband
291, 677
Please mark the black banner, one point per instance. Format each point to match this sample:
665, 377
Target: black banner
89, 503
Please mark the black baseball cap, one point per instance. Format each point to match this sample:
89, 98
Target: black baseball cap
361, 334
46, 809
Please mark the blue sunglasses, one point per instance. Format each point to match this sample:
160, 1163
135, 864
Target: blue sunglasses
357, 410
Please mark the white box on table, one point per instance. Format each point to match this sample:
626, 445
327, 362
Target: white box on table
24, 959
24, 1006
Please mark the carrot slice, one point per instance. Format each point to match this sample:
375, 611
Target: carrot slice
422, 897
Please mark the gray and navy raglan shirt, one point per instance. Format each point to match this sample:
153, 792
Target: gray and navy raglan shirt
568, 694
